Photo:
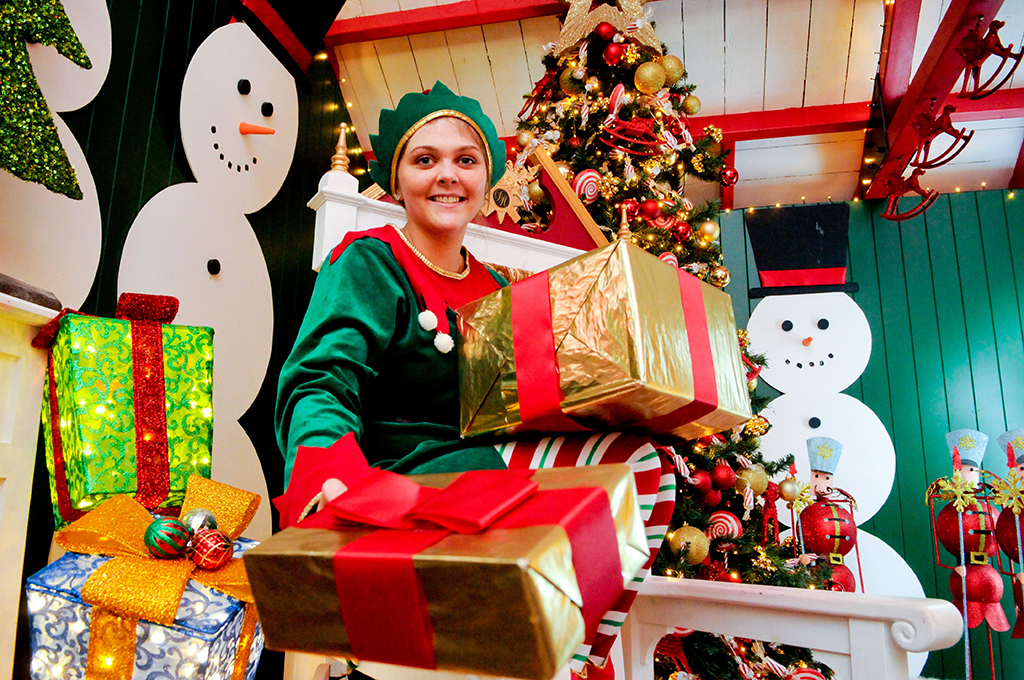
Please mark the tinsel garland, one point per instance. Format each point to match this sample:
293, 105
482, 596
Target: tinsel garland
30, 146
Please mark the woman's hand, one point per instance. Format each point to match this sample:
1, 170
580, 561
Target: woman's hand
331, 489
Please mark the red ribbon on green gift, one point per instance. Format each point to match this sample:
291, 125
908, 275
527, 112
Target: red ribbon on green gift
381, 597
537, 378
145, 314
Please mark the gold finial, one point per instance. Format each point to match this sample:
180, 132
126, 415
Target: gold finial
339, 161
624, 231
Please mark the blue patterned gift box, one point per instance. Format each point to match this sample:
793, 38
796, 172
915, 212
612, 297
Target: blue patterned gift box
201, 644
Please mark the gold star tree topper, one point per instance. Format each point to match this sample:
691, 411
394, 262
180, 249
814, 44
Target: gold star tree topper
582, 19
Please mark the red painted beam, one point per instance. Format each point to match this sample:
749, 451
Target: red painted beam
439, 18
901, 20
810, 120
997, 106
1017, 178
936, 77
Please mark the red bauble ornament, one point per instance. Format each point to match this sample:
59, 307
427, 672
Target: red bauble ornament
723, 477
682, 230
604, 31
574, 142
842, 579
650, 209
828, 528
632, 208
1006, 533
711, 499
613, 54
701, 481
984, 591
728, 177
975, 521
211, 549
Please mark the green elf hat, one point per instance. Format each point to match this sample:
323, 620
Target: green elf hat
416, 110
823, 454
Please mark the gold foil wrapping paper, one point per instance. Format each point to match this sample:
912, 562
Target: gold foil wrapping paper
504, 602
622, 347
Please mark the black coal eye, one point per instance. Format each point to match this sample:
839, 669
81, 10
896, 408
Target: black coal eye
244, 86
787, 325
815, 423
822, 324
267, 109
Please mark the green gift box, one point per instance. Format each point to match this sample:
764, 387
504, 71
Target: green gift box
127, 406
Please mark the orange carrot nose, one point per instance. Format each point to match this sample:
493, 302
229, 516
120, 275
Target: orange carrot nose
250, 129
807, 341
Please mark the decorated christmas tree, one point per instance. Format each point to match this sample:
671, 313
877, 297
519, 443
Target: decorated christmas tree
29, 144
612, 112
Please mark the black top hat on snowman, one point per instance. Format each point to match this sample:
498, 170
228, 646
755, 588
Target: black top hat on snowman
800, 249
293, 31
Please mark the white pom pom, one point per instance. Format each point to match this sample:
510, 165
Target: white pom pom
444, 343
428, 320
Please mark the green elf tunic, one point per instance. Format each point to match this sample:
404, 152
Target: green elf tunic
364, 363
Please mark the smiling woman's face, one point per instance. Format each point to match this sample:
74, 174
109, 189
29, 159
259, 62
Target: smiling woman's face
442, 178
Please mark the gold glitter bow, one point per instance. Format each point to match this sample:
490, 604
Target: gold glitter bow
135, 585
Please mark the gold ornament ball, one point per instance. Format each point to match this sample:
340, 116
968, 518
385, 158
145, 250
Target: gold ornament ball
524, 137
568, 83
709, 231
691, 105
720, 277
755, 477
752, 384
566, 171
693, 538
756, 426
649, 77
673, 66
536, 192
789, 489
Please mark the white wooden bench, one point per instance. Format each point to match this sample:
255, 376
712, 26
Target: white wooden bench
861, 637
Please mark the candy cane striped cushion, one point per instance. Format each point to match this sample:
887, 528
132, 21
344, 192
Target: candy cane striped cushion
655, 484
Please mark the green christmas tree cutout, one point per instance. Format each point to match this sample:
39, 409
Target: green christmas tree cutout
30, 147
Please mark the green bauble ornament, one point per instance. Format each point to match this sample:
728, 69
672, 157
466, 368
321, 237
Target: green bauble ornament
167, 538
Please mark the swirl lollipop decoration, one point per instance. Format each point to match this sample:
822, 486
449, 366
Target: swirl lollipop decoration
586, 185
724, 524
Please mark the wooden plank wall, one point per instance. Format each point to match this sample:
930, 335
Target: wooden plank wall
944, 294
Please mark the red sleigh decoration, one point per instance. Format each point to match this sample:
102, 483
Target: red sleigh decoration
897, 186
928, 128
976, 47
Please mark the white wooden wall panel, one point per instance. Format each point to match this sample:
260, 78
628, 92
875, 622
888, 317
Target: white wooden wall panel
371, 7
507, 56
699, 192
350, 95
828, 52
786, 53
668, 16
1013, 14
433, 62
931, 15
704, 52
840, 186
366, 86
469, 59
537, 33
865, 44
745, 38
406, 5
398, 66
350, 10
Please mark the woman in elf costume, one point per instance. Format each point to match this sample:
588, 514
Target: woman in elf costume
373, 363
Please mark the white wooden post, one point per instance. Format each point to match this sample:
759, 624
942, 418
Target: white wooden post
21, 391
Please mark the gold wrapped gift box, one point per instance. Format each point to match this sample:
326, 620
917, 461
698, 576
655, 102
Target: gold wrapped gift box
627, 355
503, 602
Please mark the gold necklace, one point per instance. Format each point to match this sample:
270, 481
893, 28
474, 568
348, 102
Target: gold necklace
458, 276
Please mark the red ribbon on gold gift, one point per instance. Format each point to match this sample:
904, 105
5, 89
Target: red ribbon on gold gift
537, 380
380, 595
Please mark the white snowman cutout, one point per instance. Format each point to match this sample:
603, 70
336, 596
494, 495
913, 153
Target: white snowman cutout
49, 240
817, 341
239, 125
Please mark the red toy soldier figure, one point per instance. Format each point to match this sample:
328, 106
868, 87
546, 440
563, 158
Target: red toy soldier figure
1010, 495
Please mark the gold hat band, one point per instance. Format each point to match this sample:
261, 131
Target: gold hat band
443, 113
